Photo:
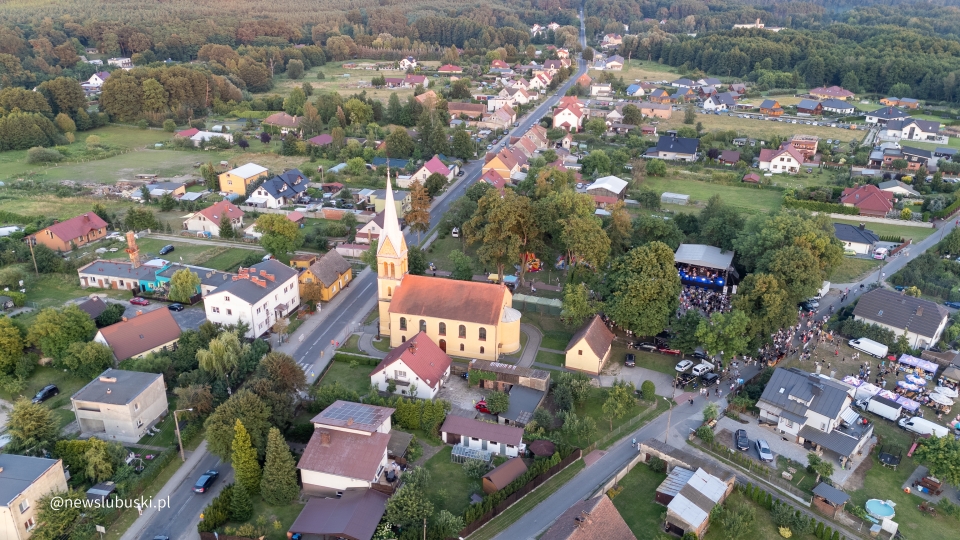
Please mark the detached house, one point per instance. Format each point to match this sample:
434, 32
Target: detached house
922, 321
472, 111
507, 162
589, 348
370, 230
869, 199
237, 180
120, 405
73, 233
281, 190
283, 122
569, 117
417, 366
882, 116
786, 159
810, 107
911, 129
434, 166
208, 219
485, 437
26, 480
814, 409
145, 333
615, 63
609, 186
771, 107
331, 272
838, 106
859, 239
832, 92
673, 148
408, 63
258, 295
611, 40
719, 102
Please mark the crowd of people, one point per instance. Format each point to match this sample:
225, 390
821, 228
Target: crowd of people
704, 300
697, 272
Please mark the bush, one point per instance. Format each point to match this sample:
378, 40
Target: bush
142, 124
38, 154
657, 465
648, 390
705, 434
169, 126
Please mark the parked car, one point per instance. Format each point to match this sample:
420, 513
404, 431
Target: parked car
166, 249
137, 301
954, 305
699, 355
646, 346
460, 173
709, 379
741, 440
46, 393
205, 481
482, 407
630, 360
763, 449
175, 307
683, 365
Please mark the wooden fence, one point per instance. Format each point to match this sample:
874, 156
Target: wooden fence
520, 493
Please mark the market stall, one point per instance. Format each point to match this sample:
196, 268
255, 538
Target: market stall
866, 391
916, 366
908, 404
950, 377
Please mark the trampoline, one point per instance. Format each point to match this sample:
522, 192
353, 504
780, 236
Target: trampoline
890, 456
881, 509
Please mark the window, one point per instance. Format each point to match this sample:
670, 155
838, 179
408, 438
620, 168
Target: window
121, 283
461, 346
136, 406
463, 331
216, 309
229, 312
789, 424
24, 505
483, 334
481, 350
403, 323
258, 310
139, 422
389, 291
397, 374
823, 427
29, 524
423, 325
403, 339
226, 298
443, 329
580, 352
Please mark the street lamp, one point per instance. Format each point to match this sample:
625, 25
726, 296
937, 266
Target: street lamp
177, 426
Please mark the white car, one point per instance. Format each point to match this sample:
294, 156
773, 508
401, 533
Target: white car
763, 449
683, 365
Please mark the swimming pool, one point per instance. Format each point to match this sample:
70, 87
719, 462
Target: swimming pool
881, 509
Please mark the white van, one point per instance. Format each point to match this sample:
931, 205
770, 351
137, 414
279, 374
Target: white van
923, 427
869, 346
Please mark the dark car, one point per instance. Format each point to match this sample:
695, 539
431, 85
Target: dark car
205, 481
741, 439
166, 249
175, 307
161, 537
630, 361
46, 393
710, 378
954, 305
699, 355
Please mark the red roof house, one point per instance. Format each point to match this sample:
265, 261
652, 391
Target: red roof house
869, 199
450, 68
187, 133
73, 233
495, 179
321, 140
418, 361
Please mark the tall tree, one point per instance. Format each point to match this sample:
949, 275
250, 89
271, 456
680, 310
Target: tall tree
645, 289
54, 330
11, 345
585, 241
280, 235
226, 230
725, 332
279, 482
222, 355
243, 405
184, 284
32, 428
88, 359
418, 218
246, 469
505, 228
766, 302
577, 306
942, 456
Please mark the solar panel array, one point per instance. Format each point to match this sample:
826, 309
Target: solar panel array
360, 413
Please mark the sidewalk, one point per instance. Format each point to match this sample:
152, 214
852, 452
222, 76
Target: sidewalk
185, 470
366, 341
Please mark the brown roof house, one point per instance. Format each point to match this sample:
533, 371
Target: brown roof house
467, 433
283, 122
208, 219
589, 348
137, 337
348, 449
72, 233
331, 272
120, 405
354, 516
93, 307
922, 321
501, 477
415, 367
592, 519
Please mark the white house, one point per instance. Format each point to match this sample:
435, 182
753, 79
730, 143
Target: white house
922, 321
258, 296
859, 239
97, 79
719, 102
497, 439
568, 118
348, 449
408, 63
608, 186
208, 219
281, 190
416, 367
786, 159
124, 63
203, 136
424, 172
911, 129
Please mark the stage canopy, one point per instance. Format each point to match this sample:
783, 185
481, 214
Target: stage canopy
703, 255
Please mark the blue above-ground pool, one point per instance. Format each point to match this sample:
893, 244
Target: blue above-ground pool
880, 509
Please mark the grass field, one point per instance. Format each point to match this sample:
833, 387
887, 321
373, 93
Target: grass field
335, 81
593, 408
32, 204
553, 359
354, 378
52, 290
748, 200
760, 129
954, 143
636, 503
851, 269
664, 363
449, 487
884, 229
228, 259
44, 375
634, 70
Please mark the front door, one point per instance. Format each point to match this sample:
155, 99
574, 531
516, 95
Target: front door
443, 345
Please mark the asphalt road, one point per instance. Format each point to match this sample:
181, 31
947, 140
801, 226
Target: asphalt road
181, 519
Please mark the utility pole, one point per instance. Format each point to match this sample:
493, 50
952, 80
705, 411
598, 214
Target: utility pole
177, 425
32, 240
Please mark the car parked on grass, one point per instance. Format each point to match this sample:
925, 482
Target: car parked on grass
646, 346
763, 449
741, 440
137, 301
166, 249
205, 481
683, 365
46, 393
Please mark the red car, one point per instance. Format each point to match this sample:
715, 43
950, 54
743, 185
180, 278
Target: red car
137, 301
482, 406
674, 352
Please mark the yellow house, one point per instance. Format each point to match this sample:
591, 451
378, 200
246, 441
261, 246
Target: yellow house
331, 273
237, 180
589, 348
505, 163
463, 318
401, 201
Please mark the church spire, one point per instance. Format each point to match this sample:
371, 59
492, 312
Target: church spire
391, 225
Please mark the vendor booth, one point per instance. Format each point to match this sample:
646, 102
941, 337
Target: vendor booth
916, 366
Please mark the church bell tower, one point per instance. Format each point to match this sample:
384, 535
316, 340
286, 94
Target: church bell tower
391, 258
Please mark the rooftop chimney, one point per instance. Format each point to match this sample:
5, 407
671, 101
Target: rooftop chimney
108, 390
350, 421
325, 438
919, 311
862, 226
108, 379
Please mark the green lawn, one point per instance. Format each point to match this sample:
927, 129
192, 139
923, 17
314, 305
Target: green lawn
763, 525
64, 416
593, 408
498, 524
884, 229
556, 340
636, 501
382, 345
52, 290
748, 200
168, 431
285, 514
352, 345
553, 359
354, 378
42, 376
664, 363
228, 259
220, 257
449, 488
852, 268
40, 204
439, 253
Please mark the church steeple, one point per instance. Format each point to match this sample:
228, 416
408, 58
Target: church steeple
391, 257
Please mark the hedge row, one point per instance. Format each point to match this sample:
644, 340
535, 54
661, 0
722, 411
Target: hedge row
818, 206
948, 210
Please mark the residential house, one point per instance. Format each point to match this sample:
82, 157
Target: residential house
412, 80
590, 519
635, 90
940, 152
563, 54
908, 103
660, 96
838, 106
93, 306
506, 162
401, 200
600, 90
611, 40
284, 189
416, 367
751, 178
208, 219
348, 449
859, 239
810, 107
97, 79
472, 111
615, 63
805, 144
370, 230
729, 157
331, 273
283, 122
485, 437
187, 133
450, 69
815, 409
683, 95
659, 110
589, 349
321, 140
911, 129
771, 107
237, 180
916, 157
503, 475
24, 482
120, 405
690, 495
141, 335
353, 516
886, 114
706, 91
108, 274
832, 92
73, 233
673, 148
174, 189
569, 117
899, 188
551, 67
785, 159
502, 118
719, 102
920, 320
739, 88
407, 63
258, 296
609, 186
427, 99
123, 63
495, 179
433, 166
869, 199
684, 83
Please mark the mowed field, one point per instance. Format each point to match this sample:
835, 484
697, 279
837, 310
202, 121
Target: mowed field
357, 81
760, 129
748, 200
635, 70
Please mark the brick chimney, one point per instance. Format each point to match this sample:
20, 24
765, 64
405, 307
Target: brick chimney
325, 438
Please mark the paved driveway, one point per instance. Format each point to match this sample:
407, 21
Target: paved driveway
780, 447
637, 375
189, 319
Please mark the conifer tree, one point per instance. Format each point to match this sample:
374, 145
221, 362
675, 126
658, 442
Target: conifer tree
246, 469
241, 507
279, 483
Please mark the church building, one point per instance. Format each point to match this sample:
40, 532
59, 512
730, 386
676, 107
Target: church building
463, 318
